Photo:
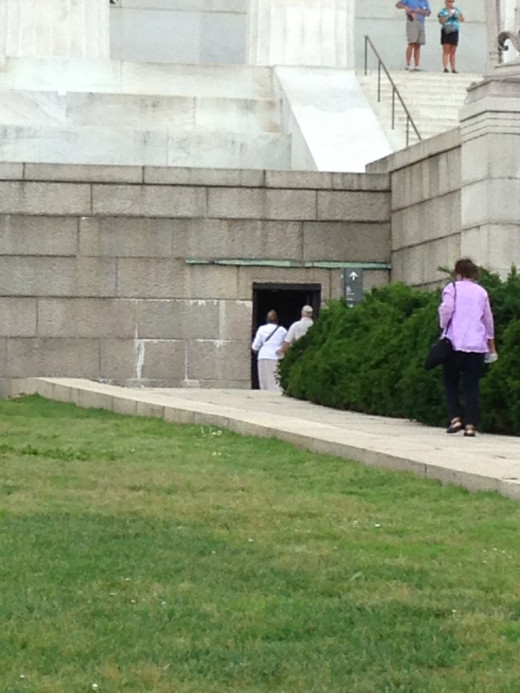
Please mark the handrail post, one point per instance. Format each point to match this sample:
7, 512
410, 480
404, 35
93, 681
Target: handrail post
395, 90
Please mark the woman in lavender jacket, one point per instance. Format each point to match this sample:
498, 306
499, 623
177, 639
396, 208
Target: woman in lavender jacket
466, 319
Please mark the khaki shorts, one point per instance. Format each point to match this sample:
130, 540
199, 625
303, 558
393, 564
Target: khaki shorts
415, 32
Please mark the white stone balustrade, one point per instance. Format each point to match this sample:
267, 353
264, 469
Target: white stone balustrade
44, 28
317, 33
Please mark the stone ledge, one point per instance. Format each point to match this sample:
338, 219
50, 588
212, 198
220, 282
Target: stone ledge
271, 179
422, 150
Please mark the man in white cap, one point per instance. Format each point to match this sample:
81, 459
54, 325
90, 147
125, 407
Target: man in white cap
297, 329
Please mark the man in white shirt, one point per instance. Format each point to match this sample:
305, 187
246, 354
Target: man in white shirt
297, 329
267, 344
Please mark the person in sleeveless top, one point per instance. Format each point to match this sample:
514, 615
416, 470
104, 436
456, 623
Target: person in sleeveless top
450, 18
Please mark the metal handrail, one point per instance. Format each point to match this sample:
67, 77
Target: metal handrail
395, 90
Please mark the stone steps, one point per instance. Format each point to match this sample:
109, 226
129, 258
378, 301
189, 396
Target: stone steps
135, 147
65, 75
433, 100
140, 112
57, 110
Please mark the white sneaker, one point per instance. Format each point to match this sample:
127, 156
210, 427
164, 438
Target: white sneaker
408, 68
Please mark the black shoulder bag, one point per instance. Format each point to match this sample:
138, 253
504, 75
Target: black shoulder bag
441, 350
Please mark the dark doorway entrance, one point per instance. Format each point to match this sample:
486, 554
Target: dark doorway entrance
287, 300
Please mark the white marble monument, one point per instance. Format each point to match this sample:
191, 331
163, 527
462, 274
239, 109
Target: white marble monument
54, 28
311, 33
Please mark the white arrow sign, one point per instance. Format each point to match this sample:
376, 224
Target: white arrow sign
353, 275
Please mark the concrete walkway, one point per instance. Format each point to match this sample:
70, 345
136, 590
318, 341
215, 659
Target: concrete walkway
487, 462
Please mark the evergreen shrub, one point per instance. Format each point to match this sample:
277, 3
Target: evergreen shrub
370, 358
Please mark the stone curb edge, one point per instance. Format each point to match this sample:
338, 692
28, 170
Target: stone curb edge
91, 395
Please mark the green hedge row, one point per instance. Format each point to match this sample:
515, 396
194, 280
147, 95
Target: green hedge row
370, 358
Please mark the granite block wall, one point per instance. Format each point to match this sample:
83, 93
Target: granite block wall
426, 209
145, 276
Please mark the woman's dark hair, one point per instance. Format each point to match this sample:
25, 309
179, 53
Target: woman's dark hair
466, 268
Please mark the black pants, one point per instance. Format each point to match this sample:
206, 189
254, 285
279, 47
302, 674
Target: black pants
467, 364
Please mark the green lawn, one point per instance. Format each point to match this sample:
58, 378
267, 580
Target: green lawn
136, 555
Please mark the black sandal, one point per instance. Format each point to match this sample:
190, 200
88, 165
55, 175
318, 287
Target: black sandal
469, 432
455, 426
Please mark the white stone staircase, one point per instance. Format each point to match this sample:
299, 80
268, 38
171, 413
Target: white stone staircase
433, 99
140, 114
